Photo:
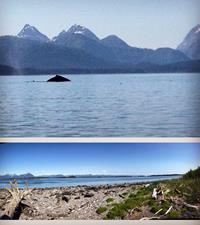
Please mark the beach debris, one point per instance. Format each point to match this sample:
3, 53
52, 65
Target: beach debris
132, 211
154, 194
65, 198
170, 208
81, 191
190, 206
121, 196
58, 78
158, 212
151, 218
66, 193
186, 194
95, 189
155, 216
167, 191
77, 197
177, 191
88, 195
14, 203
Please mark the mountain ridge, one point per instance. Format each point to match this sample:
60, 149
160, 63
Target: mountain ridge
190, 46
31, 176
32, 33
78, 48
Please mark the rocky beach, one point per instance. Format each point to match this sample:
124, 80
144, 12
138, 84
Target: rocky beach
80, 202
156, 200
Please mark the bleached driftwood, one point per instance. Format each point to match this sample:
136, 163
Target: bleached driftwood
151, 218
167, 191
190, 206
170, 208
16, 198
155, 217
158, 212
154, 194
177, 191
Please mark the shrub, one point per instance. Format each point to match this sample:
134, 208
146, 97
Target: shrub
101, 210
109, 200
192, 174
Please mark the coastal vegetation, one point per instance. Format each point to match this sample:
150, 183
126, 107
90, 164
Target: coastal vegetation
179, 198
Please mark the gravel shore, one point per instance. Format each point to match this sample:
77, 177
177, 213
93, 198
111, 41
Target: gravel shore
80, 202
175, 199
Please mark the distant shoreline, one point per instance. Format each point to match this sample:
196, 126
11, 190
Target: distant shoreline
92, 186
192, 66
86, 176
60, 183
99, 73
96, 74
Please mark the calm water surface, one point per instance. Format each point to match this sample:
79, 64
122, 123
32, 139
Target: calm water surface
121, 105
63, 182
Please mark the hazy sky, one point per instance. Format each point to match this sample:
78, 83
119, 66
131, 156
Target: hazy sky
141, 23
104, 158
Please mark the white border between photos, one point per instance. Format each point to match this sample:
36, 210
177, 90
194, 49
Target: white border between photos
98, 140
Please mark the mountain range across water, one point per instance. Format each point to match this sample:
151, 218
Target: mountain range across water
79, 50
31, 176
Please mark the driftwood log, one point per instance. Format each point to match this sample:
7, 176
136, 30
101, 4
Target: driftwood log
17, 196
170, 208
191, 206
151, 218
154, 194
155, 217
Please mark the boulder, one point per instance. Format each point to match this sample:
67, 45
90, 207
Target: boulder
88, 195
65, 198
58, 78
66, 193
77, 197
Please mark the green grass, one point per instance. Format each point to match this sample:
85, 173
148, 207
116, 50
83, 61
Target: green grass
157, 205
185, 188
173, 214
192, 190
108, 200
125, 194
133, 200
101, 210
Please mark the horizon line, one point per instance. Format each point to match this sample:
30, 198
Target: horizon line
8, 174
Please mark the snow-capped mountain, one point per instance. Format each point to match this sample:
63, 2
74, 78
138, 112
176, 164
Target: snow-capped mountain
30, 32
78, 29
75, 30
191, 44
81, 38
80, 49
114, 42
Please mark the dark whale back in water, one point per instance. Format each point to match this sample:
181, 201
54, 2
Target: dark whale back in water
58, 78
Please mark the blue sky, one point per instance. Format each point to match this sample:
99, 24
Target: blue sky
102, 158
141, 23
